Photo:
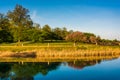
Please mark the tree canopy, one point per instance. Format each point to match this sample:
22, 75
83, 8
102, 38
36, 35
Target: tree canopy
20, 18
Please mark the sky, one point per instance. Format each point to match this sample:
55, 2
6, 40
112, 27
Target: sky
101, 17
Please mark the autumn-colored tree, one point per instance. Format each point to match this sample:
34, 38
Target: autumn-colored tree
93, 39
75, 37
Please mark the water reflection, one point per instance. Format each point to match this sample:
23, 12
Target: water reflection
26, 71
82, 64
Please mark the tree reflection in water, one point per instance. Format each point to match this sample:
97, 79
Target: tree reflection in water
81, 64
5, 69
26, 71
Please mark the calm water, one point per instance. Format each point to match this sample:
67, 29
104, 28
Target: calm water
74, 70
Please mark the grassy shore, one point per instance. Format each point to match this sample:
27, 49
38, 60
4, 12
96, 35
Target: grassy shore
57, 50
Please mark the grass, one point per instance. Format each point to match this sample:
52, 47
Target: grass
58, 50
64, 45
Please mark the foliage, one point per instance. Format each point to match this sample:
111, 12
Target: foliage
4, 22
5, 36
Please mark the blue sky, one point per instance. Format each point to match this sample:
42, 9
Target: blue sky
101, 17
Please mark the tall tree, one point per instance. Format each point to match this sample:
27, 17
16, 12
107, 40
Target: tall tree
20, 18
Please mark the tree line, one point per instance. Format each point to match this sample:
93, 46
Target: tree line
17, 26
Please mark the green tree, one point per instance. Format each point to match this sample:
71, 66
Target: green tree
57, 33
5, 35
20, 18
64, 33
37, 36
37, 26
46, 32
4, 22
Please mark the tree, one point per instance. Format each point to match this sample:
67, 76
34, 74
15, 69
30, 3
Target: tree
46, 28
5, 35
64, 33
75, 37
98, 39
46, 32
93, 39
4, 22
89, 37
37, 26
36, 36
58, 33
20, 18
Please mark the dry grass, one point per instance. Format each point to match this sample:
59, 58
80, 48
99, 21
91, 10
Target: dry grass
58, 50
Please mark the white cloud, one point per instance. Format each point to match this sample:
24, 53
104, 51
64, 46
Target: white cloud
36, 18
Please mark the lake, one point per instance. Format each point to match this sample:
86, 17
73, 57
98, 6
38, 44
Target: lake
107, 69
